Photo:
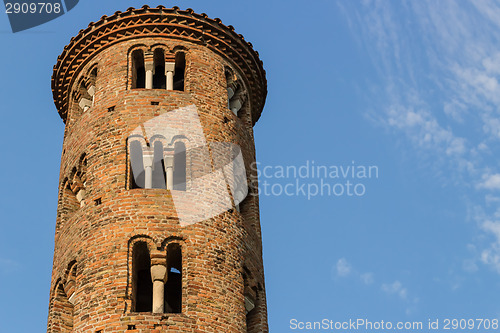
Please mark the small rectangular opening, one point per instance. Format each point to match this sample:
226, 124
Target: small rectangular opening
155, 103
97, 201
111, 108
131, 327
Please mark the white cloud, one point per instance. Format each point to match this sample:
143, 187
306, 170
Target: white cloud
442, 92
492, 64
491, 257
343, 267
367, 278
455, 110
423, 129
469, 266
490, 182
395, 288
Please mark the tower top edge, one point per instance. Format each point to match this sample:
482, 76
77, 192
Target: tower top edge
173, 23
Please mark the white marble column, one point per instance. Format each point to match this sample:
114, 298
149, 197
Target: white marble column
148, 169
159, 276
150, 70
169, 166
169, 73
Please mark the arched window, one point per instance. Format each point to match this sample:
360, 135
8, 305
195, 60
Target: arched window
137, 179
70, 286
180, 68
236, 95
173, 287
85, 98
159, 78
142, 285
70, 203
61, 312
93, 76
138, 70
179, 166
158, 166
250, 299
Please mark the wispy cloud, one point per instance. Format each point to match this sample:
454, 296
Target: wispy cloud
458, 45
490, 182
367, 278
395, 288
343, 267
8, 265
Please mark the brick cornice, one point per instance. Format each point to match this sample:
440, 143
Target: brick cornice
170, 23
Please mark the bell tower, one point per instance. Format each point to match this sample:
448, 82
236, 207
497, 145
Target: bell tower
157, 223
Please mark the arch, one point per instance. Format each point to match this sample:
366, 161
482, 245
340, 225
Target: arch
93, 74
173, 286
142, 285
180, 166
237, 95
61, 311
159, 175
159, 77
92, 79
69, 202
250, 295
138, 79
180, 69
70, 284
164, 47
137, 175
172, 239
179, 48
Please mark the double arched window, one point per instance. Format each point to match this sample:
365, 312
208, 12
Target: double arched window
156, 286
63, 301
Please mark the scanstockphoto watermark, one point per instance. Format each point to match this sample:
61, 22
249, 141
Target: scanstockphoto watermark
312, 180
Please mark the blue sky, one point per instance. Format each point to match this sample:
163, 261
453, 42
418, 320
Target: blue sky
410, 87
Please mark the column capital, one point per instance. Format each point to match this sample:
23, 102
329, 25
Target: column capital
91, 90
85, 103
159, 273
169, 67
149, 65
168, 160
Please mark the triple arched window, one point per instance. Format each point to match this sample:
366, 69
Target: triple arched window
157, 69
157, 164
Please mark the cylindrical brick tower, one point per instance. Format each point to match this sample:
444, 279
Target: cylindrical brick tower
157, 225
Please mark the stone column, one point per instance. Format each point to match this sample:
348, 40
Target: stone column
235, 105
231, 90
148, 169
169, 73
169, 166
149, 66
159, 276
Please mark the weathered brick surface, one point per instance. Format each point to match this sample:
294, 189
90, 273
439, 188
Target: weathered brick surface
221, 256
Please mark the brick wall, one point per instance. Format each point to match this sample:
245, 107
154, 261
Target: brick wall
92, 278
